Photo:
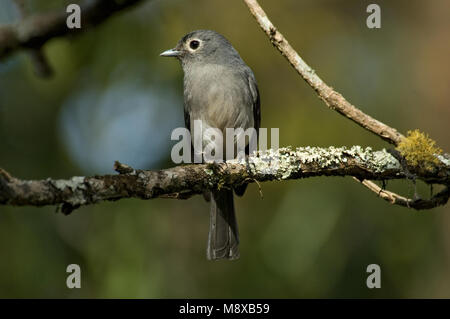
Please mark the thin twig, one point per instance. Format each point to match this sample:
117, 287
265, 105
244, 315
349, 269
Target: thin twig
259, 188
439, 199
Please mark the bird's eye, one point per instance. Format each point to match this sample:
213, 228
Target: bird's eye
194, 44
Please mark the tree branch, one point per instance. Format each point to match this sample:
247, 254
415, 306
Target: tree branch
34, 31
182, 182
439, 199
332, 99
337, 102
41, 65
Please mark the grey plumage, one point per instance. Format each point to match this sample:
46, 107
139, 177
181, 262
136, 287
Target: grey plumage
221, 91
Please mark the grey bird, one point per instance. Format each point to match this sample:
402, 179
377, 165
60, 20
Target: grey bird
220, 90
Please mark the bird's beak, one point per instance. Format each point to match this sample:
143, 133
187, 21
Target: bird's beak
171, 52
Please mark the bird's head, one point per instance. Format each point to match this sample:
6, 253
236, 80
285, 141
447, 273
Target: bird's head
203, 46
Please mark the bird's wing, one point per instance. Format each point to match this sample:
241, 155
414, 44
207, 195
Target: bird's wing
256, 100
240, 190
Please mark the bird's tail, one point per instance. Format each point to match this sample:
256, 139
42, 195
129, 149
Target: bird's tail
223, 240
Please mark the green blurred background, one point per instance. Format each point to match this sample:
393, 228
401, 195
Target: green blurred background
113, 98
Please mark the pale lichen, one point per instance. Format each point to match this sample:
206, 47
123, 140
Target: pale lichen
208, 171
285, 162
73, 183
444, 160
76, 185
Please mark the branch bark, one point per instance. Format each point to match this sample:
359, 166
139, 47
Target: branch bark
34, 31
182, 182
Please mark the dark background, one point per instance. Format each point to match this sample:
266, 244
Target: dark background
113, 98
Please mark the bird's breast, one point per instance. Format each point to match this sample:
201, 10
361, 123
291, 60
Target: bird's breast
218, 96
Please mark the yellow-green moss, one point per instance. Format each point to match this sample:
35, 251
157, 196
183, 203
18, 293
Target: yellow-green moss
419, 150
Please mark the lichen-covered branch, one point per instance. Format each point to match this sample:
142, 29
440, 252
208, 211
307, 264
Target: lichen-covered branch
33, 31
332, 99
184, 181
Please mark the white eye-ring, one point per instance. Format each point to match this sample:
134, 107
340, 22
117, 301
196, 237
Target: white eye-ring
194, 44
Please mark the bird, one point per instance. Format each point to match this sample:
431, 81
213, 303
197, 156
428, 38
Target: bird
220, 90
